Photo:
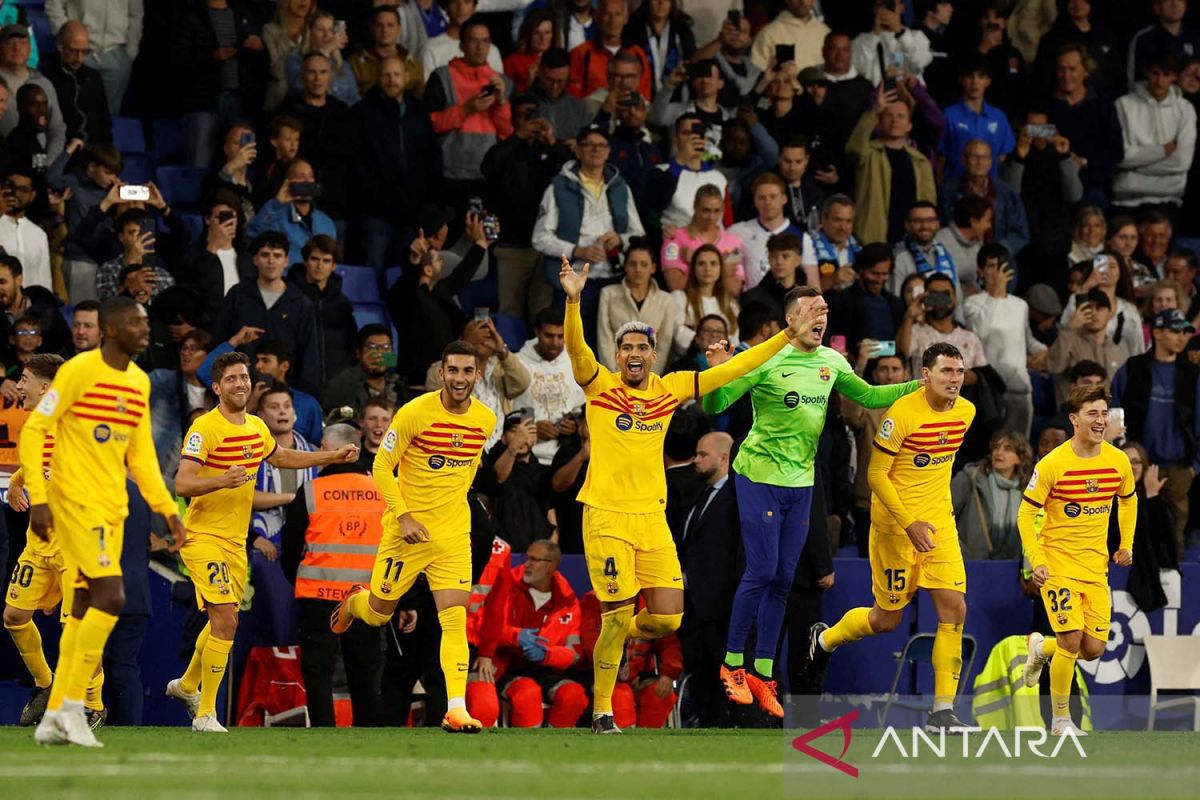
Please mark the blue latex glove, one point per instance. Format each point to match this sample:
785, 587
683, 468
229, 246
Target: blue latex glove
533, 647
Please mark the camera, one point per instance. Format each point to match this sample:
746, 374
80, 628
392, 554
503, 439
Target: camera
133, 191
1041, 131
936, 301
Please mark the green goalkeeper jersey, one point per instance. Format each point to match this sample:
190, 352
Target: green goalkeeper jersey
789, 395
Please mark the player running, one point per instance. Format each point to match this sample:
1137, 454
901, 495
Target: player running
1076, 484
914, 542
625, 535
434, 445
774, 480
97, 411
222, 453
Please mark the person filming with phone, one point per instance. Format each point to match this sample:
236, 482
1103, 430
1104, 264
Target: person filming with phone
293, 211
929, 320
135, 232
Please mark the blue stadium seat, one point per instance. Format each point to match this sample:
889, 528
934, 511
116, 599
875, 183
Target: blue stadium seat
138, 168
359, 284
485, 292
195, 227
42, 32
170, 140
367, 313
181, 185
128, 135
512, 330
391, 275
1188, 244
68, 314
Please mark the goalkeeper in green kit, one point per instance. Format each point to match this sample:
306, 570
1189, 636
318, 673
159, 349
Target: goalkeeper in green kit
774, 484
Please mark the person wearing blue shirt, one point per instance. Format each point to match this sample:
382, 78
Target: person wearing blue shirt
972, 118
293, 214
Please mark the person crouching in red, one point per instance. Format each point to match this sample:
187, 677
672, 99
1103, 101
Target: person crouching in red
527, 651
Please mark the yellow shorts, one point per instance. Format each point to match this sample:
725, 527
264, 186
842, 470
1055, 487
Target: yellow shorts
446, 562
898, 570
628, 552
39, 581
90, 540
1075, 605
218, 567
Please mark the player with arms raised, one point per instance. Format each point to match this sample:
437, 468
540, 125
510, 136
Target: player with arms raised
222, 453
97, 410
914, 542
1076, 484
626, 540
774, 481
434, 445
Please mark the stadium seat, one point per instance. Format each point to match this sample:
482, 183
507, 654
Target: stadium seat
919, 650
181, 185
194, 223
1188, 244
68, 314
128, 135
392, 275
512, 330
138, 168
42, 32
170, 140
359, 284
485, 292
368, 313
1174, 666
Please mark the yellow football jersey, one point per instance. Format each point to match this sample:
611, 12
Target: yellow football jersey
16, 483
100, 421
435, 454
216, 444
923, 444
1077, 495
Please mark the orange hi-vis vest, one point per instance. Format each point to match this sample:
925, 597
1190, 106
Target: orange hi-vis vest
345, 525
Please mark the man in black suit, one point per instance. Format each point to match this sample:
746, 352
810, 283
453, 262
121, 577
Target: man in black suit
710, 552
679, 450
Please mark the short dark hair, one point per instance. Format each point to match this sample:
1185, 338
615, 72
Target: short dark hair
275, 347
1153, 216
474, 21
970, 207
782, 242
115, 308
378, 401
132, 216
992, 250
548, 316
798, 293
221, 197
13, 263
87, 305
836, 200
275, 387
107, 156
642, 243
686, 117
753, 316
1080, 396
872, 254
556, 58
459, 348
323, 244
29, 319
369, 330
227, 360
200, 338
386, 9
274, 240
1086, 369
284, 121
796, 140
934, 277
930, 357
922, 204
43, 365
1188, 255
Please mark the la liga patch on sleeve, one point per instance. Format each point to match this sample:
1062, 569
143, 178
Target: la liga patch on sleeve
885, 430
49, 403
195, 443
389, 441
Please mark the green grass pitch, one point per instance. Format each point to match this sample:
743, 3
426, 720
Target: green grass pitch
301, 764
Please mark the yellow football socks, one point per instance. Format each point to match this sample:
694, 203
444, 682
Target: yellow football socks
1049, 646
212, 666
653, 626
454, 653
93, 632
947, 663
360, 608
94, 696
855, 625
66, 655
28, 640
190, 682
1062, 672
606, 657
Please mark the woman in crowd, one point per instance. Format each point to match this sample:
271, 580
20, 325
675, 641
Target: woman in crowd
1123, 239
1113, 276
1156, 518
1087, 240
325, 37
637, 297
987, 496
705, 295
538, 33
287, 33
679, 244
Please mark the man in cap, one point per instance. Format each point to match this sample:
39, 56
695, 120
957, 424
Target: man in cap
14, 69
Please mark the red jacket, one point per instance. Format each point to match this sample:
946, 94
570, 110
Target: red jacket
557, 622
494, 575
645, 656
589, 69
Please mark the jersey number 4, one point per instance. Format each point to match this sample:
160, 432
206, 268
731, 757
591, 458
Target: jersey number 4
610, 567
1059, 600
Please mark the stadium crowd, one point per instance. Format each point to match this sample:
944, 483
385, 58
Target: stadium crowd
339, 189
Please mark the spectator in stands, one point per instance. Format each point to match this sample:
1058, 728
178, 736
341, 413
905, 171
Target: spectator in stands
369, 378
1181, 267
281, 311
529, 645
1006, 64
712, 329
520, 499
80, 89
386, 33
1156, 519
17, 299
589, 61
174, 393
376, 415
804, 193
1154, 233
20, 236
704, 295
890, 41
770, 198
1159, 128
674, 185
962, 238
732, 53
1082, 23
553, 395
1085, 338
295, 216
15, 70
576, 23
848, 92
518, 170
1001, 320
704, 228
269, 174
1083, 373
223, 62
1113, 277
103, 164
85, 328
702, 83
624, 73
316, 278
1168, 34
1159, 392
1088, 121
930, 319
114, 28
567, 473
798, 25
439, 51
272, 362
974, 118
662, 31
135, 232
216, 264
1043, 173
784, 253
536, 36
890, 175
835, 244
1090, 233
566, 113
747, 151
793, 109
241, 152
636, 297
1009, 224
284, 36
935, 24
324, 37
866, 309
920, 251
987, 496
26, 143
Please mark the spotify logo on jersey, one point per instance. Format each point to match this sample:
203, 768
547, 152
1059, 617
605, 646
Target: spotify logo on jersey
437, 462
921, 459
1072, 510
791, 399
624, 422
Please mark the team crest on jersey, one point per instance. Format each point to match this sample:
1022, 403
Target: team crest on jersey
247, 451
885, 430
1061, 618
121, 407
1092, 485
894, 598
613, 588
104, 560
638, 408
195, 443
943, 438
385, 588
823, 373
101, 433
456, 440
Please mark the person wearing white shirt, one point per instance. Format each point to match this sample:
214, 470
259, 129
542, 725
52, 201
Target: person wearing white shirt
20, 237
1001, 322
770, 200
440, 50
905, 49
553, 394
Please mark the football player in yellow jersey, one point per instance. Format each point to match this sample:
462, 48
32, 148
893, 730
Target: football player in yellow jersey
97, 410
434, 446
626, 540
1076, 484
222, 453
913, 539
